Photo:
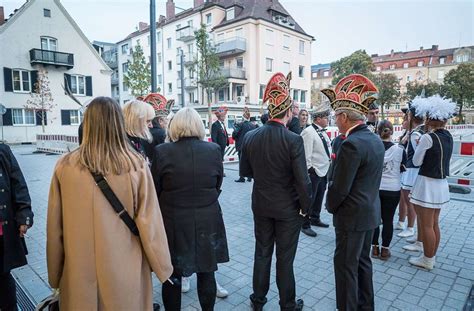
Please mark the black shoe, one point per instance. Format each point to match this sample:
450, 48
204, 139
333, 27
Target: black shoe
309, 232
299, 305
241, 179
318, 223
249, 179
257, 306
156, 307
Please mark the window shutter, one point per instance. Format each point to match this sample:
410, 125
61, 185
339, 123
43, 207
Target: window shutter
33, 79
65, 117
88, 86
67, 83
7, 78
7, 117
38, 117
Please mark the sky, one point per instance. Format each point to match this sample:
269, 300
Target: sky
339, 27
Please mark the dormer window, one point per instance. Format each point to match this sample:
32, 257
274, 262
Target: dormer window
47, 12
392, 67
230, 13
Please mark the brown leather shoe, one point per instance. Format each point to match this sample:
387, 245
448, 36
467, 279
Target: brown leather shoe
375, 251
385, 254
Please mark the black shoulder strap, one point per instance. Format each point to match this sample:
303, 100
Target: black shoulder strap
325, 144
104, 186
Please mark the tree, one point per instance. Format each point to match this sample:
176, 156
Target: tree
41, 98
389, 90
459, 87
316, 98
358, 62
208, 68
138, 76
415, 89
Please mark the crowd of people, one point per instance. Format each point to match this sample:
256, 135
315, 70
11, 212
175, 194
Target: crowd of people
155, 170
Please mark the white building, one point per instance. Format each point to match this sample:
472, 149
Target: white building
254, 39
42, 35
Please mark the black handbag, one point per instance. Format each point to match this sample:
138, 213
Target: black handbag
103, 185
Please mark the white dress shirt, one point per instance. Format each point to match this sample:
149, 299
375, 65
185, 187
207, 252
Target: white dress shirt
316, 156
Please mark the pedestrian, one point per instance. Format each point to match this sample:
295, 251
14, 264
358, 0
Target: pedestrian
264, 118
353, 192
219, 131
403, 142
138, 117
294, 124
93, 256
317, 148
188, 175
430, 192
303, 117
373, 117
274, 157
16, 218
389, 193
240, 129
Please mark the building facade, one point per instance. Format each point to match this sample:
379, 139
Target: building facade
38, 36
253, 39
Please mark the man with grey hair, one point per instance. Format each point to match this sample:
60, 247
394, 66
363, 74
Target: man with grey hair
353, 192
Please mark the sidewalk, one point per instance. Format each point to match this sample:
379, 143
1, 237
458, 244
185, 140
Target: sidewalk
398, 286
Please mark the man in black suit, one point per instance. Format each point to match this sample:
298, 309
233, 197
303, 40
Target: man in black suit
353, 192
281, 195
294, 124
238, 135
373, 117
219, 130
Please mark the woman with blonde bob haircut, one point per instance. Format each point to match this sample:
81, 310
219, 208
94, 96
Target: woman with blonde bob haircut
138, 121
188, 175
93, 257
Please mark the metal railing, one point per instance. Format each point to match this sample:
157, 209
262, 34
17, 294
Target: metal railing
185, 33
238, 73
38, 56
231, 46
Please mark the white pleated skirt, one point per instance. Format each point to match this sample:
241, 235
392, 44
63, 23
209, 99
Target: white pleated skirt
407, 180
430, 192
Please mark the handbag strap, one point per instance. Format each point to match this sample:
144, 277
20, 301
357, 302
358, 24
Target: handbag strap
104, 186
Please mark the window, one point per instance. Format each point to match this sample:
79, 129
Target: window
420, 63
124, 87
301, 47
301, 71
286, 67
240, 62
295, 95
190, 23
208, 18
125, 68
286, 42
221, 95
23, 117
269, 64
326, 73
78, 85
408, 78
124, 49
220, 37
441, 75
314, 75
160, 79
392, 67
462, 58
379, 68
239, 90
47, 12
405, 65
158, 58
239, 32
158, 37
230, 13
76, 117
49, 44
191, 98
303, 96
262, 90
168, 43
269, 36
170, 65
21, 81
138, 42
170, 88
442, 60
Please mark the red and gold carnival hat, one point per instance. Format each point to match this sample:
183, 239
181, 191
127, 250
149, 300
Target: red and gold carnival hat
159, 103
353, 92
221, 109
277, 94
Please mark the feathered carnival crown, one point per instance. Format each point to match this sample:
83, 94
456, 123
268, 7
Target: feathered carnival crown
159, 103
434, 107
277, 94
353, 92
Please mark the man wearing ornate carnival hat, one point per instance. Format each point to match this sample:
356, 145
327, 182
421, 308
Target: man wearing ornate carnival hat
353, 192
219, 131
274, 157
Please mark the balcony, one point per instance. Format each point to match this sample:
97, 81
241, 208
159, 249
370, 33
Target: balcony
190, 83
189, 58
230, 47
45, 57
114, 80
185, 34
236, 73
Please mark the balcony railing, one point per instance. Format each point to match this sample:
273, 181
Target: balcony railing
190, 83
231, 46
189, 58
115, 80
185, 34
45, 57
236, 73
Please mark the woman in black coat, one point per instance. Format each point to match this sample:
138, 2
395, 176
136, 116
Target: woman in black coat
15, 219
188, 175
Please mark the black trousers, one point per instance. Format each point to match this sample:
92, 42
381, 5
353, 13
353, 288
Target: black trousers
388, 202
206, 288
7, 286
284, 234
353, 270
318, 187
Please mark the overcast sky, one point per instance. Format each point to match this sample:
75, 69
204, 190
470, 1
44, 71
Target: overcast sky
339, 27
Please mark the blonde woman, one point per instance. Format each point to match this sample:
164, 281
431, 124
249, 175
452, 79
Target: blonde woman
93, 257
138, 121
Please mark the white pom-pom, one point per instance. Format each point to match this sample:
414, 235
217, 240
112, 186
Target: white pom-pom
437, 108
419, 104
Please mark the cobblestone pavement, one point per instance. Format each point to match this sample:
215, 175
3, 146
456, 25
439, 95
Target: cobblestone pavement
398, 286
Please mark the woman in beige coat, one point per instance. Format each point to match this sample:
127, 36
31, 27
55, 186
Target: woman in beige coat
93, 257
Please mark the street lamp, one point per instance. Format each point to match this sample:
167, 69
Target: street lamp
153, 45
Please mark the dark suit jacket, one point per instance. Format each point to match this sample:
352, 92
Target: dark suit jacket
275, 158
218, 135
353, 191
294, 126
239, 132
159, 136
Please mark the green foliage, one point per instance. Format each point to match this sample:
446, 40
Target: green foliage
415, 89
358, 62
389, 90
459, 87
138, 76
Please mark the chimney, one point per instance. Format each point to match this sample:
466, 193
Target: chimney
161, 19
142, 26
434, 47
421, 49
391, 53
170, 9
198, 3
2, 16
